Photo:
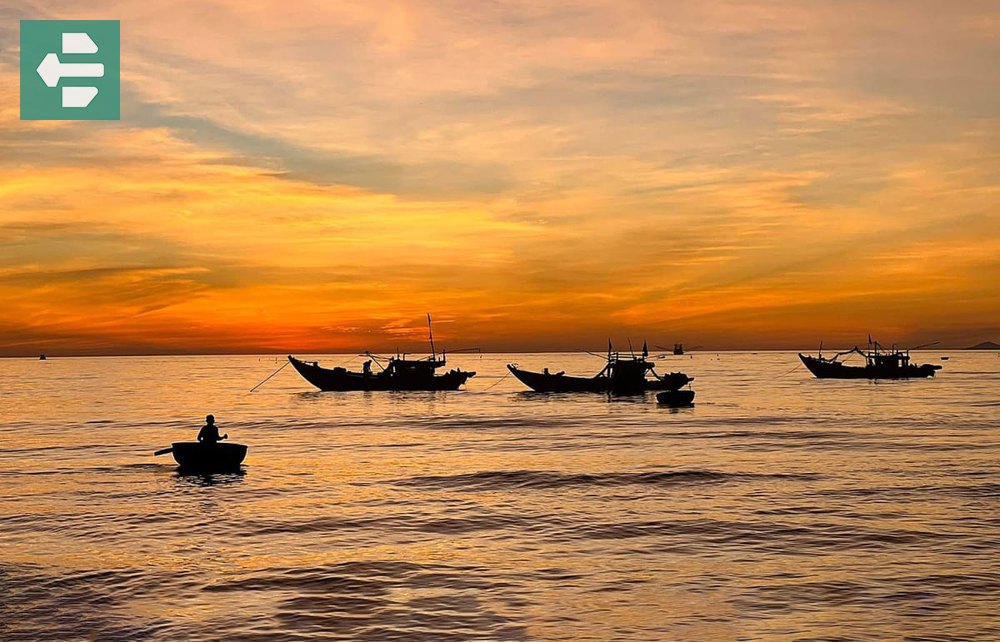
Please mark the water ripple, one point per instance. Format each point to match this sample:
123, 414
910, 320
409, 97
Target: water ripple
542, 479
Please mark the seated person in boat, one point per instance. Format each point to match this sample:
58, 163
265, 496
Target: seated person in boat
209, 433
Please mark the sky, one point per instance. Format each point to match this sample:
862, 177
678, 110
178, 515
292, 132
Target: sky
317, 176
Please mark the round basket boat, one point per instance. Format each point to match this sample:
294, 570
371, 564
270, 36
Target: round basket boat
676, 398
193, 455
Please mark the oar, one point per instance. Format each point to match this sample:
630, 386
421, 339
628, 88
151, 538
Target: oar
164, 451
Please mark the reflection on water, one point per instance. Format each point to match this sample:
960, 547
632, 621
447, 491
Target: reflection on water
676, 410
779, 507
209, 479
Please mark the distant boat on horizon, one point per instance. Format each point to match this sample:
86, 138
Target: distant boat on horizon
880, 363
678, 349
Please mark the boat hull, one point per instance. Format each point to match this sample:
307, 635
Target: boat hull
542, 382
193, 455
676, 398
343, 380
837, 370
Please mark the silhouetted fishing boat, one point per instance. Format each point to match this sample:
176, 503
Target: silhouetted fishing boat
677, 350
880, 363
217, 457
396, 373
675, 398
620, 375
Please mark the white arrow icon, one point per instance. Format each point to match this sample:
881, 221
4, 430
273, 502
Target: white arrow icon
51, 70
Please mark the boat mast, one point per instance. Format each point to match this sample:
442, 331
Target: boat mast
431, 333
607, 366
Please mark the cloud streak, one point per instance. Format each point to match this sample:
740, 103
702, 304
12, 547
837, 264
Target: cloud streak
733, 175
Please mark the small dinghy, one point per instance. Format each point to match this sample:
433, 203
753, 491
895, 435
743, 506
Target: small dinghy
193, 455
676, 398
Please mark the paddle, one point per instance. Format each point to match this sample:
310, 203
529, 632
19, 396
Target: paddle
164, 451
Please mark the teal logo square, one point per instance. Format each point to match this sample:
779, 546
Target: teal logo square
70, 70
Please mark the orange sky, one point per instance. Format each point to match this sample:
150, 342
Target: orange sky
536, 175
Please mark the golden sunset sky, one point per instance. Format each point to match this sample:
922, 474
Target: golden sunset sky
315, 176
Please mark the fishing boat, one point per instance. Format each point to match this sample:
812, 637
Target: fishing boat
620, 375
398, 373
394, 373
880, 363
675, 398
217, 457
677, 350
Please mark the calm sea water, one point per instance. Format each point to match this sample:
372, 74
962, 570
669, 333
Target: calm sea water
779, 507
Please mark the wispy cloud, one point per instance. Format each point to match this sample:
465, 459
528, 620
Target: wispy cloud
737, 173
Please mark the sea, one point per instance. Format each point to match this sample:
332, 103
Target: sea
778, 507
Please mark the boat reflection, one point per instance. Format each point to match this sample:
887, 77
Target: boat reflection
191, 478
562, 398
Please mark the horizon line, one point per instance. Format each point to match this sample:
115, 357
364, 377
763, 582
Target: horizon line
36, 356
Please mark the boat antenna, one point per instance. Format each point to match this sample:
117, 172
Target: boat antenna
631, 351
431, 333
609, 349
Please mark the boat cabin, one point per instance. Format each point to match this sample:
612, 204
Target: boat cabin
889, 360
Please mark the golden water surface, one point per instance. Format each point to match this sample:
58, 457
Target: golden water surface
779, 507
